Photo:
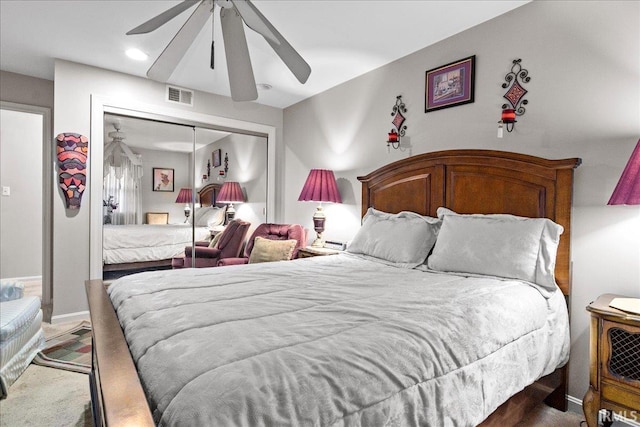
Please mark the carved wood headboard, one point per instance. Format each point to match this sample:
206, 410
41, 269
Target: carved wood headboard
479, 181
208, 194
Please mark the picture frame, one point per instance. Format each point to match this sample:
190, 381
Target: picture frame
217, 157
450, 85
163, 179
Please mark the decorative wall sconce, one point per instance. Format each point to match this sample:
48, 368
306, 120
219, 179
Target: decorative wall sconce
397, 122
514, 95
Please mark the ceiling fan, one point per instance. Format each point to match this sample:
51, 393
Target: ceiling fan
232, 14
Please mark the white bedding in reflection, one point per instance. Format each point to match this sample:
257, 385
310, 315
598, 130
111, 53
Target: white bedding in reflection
137, 243
335, 340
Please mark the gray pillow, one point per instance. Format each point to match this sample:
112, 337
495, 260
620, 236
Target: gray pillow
497, 245
403, 239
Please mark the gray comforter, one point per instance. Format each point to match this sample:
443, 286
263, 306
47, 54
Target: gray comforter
335, 340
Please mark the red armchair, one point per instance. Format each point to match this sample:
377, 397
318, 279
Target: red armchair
229, 245
273, 232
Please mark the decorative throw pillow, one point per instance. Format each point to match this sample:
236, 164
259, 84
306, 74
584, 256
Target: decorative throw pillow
214, 242
403, 239
267, 250
497, 245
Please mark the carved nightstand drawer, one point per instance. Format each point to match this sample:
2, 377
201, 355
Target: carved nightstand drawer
614, 361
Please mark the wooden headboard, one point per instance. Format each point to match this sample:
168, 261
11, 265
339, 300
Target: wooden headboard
208, 194
479, 181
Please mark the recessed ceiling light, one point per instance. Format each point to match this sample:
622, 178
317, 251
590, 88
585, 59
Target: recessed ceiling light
264, 86
136, 54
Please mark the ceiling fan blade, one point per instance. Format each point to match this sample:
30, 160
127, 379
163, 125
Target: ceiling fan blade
257, 21
241, 80
163, 18
168, 60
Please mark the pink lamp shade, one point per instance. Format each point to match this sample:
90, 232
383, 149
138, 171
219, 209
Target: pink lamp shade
230, 193
184, 196
627, 192
320, 187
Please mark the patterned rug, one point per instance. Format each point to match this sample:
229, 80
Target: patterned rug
70, 350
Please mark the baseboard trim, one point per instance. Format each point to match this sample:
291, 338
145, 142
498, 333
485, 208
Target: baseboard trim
71, 317
26, 278
575, 405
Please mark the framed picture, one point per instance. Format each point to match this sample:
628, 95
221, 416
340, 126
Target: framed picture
217, 157
450, 85
163, 179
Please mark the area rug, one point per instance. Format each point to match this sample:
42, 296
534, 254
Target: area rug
70, 350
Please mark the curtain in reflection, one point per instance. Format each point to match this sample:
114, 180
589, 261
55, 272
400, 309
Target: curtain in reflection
122, 191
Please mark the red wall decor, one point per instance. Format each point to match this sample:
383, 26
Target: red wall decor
71, 150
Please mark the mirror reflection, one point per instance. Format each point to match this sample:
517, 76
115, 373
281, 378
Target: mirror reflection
161, 188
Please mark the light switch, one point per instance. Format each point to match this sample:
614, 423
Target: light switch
6, 191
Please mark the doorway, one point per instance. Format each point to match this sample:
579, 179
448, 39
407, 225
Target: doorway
26, 180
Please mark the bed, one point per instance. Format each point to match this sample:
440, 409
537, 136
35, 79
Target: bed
139, 247
341, 340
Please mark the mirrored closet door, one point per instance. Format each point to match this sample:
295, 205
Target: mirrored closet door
161, 193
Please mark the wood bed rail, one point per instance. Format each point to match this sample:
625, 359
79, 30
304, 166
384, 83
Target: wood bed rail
114, 377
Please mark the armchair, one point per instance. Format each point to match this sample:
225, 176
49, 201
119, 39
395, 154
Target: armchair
229, 244
21, 335
272, 232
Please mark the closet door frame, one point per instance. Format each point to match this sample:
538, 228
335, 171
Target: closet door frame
101, 105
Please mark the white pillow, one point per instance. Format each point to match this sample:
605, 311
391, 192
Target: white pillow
403, 239
211, 217
197, 215
497, 245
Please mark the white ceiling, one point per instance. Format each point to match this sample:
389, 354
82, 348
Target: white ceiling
340, 39
154, 135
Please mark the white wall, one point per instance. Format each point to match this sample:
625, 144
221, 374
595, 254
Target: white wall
161, 201
247, 155
75, 84
583, 58
21, 211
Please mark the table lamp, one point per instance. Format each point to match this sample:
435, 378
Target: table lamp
320, 187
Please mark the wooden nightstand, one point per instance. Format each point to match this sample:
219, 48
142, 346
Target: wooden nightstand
310, 252
614, 362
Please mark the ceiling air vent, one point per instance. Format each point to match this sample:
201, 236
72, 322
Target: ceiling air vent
180, 96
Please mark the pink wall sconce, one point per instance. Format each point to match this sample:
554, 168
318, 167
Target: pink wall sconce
515, 95
71, 151
398, 124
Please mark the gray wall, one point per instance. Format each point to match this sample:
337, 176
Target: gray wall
584, 61
161, 201
21, 211
26, 90
24, 242
247, 165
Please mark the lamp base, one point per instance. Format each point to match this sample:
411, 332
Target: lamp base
319, 242
187, 212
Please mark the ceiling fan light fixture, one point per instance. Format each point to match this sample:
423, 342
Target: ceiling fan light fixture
136, 54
